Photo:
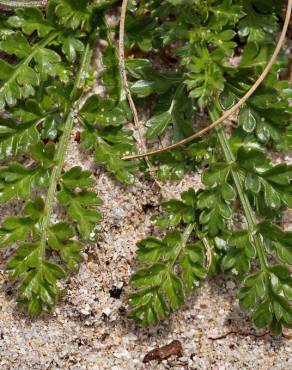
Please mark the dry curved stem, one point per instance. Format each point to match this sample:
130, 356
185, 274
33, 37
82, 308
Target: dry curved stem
243, 334
240, 334
232, 110
138, 124
22, 3
124, 74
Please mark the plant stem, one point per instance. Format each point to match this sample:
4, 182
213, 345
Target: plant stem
185, 237
112, 44
174, 100
122, 66
209, 254
61, 151
22, 4
247, 209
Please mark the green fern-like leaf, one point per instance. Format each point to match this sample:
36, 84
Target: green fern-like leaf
34, 136
81, 205
16, 137
221, 49
173, 266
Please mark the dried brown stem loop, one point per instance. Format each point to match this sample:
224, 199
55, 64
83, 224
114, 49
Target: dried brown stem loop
239, 104
123, 72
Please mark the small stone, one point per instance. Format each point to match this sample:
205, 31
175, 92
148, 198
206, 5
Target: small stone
107, 311
122, 353
230, 285
131, 337
86, 310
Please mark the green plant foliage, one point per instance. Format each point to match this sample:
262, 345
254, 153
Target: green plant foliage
42, 78
16, 137
80, 204
173, 266
210, 54
103, 120
188, 62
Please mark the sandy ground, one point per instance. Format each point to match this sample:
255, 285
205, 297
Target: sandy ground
89, 328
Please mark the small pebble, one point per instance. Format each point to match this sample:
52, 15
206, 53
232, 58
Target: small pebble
230, 285
107, 311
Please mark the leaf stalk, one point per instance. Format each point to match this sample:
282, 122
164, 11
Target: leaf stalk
185, 237
247, 209
61, 151
22, 4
